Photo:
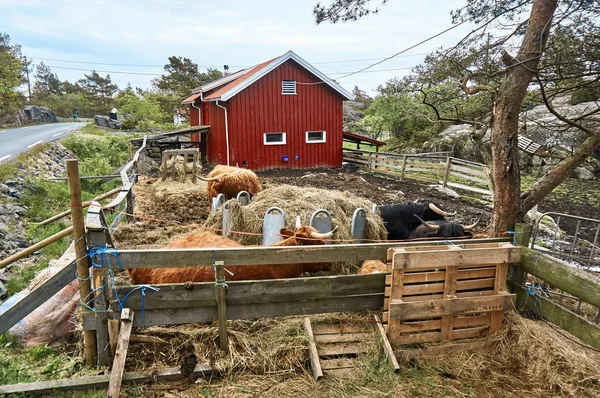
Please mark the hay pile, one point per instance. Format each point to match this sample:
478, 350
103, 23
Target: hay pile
303, 202
268, 359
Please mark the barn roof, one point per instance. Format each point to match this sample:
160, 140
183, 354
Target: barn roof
230, 85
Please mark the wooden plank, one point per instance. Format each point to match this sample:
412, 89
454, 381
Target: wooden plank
435, 324
313, 354
433, 308
416, 338
333, 349
338, 363
387, 347
181, 295
37, 297
173, 258
113, 335
473, 284
342, 338
561, 275
468, 170
468, 188
437, 276
100, 304
499, 286
221, 304
440, 258
419, 326
418, 163
334, 328
469, 177
563, 317
411, 290
346, 373
449, 349
99, 382
179, 316
116, 375
396, 292
472, 293
464, 274
470, 321
450, 287
32, 249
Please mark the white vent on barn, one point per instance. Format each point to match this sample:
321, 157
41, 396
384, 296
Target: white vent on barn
288, 87
527, 145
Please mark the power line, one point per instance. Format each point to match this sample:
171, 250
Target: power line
138, 65
406, 49
106, 71
370, 71
364, 59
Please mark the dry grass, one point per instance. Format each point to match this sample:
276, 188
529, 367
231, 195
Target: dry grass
268, 359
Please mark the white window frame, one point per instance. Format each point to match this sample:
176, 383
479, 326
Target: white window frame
318, 141
282, 142
295, 87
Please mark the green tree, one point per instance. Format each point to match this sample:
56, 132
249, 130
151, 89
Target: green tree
554, 49
182, 76
140, 108
46, 83
12, 67
99, 91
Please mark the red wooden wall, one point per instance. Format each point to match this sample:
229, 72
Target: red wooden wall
261, 108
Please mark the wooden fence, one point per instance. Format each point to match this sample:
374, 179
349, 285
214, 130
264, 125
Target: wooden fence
50, 287
435, 168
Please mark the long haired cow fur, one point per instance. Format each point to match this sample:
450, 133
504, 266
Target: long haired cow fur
230, 181
304, 235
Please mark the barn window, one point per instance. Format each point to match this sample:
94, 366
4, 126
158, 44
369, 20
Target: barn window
288, 87
274, 138
314, 137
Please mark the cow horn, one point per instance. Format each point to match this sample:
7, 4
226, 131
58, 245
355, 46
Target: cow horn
440, 211
318, 235
298, 222
207, 179
432, 227
472, 226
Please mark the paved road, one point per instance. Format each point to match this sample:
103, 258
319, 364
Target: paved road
19, 140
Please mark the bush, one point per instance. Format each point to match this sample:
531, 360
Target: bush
98, 153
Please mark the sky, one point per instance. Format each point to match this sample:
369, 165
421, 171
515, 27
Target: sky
137, 37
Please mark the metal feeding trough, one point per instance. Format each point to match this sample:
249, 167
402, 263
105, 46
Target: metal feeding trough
217, 203
359, 224
272, 224
322, 222
243, 198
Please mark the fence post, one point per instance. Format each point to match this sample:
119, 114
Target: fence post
221, 303
403, 168
369, 162
447, 172
522, 238
83, 265
130, 203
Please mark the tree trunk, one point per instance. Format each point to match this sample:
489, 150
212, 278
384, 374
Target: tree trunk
505, 117
559, 173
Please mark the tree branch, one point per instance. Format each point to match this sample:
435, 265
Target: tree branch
476, 89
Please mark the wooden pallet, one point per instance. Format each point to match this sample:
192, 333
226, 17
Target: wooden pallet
334, 348
447, 293
189, 156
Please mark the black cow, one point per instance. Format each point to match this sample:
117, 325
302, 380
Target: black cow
400, 220
443, 229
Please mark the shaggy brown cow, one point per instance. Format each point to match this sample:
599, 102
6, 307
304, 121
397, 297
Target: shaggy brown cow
230, 181
304, 235
373, 267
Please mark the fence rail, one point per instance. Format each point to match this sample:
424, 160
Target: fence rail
436, 167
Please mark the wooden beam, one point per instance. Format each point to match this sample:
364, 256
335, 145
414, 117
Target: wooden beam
432, 308
221, 304
313, 354
37, 297
436, 351
251, 311
559, 274
116, 375
182, 295
573, 323
387, 347
98, 382
83, 264
173, 258
41, 244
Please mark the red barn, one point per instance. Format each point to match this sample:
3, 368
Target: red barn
282, 113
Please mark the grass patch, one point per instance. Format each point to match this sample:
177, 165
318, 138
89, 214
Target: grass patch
8, 171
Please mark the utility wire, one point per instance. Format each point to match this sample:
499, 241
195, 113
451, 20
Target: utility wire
406, 49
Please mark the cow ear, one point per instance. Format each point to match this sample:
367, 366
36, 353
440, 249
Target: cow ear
286, 232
